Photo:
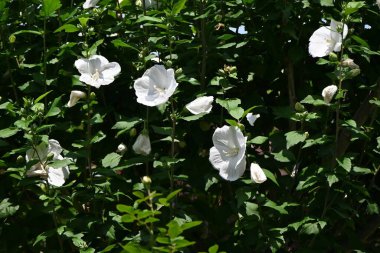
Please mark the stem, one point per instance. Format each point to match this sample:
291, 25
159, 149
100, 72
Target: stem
88, 133
45, 62
171, 172
204, 48
146, 126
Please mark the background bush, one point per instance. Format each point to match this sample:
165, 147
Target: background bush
322, 161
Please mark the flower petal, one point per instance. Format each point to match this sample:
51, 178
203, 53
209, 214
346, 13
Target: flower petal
200, 105
257, 174
90, 4
320, 43
57, 177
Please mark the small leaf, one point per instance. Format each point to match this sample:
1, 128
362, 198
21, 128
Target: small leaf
294, 137
331, 179
271, 176
258, 140
68, 28
284, 156
345, 163
111, 160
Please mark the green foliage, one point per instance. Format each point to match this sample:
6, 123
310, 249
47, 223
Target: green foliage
320, 155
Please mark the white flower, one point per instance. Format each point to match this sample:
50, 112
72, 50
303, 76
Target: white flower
257, 174
90, 4
156, 86
239, 30
252, 118
228, 153
142, 145
75, 95
54, 176
327, 39
200, 105
97, 71
329, 92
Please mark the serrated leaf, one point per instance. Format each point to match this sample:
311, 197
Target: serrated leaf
294, 137
111, 160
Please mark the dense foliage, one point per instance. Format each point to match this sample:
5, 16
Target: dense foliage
262, 162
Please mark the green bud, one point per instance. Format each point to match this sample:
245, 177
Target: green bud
20, 159
169, 63
299, 107
218, 18
241, 126
333, 57
92, 96
132, 132
178, 72
12, 39
354, 72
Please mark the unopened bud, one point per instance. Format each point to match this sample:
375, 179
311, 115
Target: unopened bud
121, 148
354, 72
146, 180
299, 107
132, 132
178, 72
12, 39
92, 96
349, 63
20, 159
333, 57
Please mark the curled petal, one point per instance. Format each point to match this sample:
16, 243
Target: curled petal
200, 105
75, 95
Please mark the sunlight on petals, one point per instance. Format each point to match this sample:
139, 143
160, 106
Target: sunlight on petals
228, 153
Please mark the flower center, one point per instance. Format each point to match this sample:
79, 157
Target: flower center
160, 90
231, 152
95, 76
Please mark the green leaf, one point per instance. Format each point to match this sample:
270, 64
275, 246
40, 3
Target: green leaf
353, 7
331, 179
49, 7
8, 132
327, 2
345, 163
111, 160
258, 140
54, 109
68, 28
149, 19
294, 137
119, 43
193, 117
284, 156
271, 176
312, 228
92, 50
7, 209
191, 224
60, 163
213, 249
42, 96
178, 6
274, 206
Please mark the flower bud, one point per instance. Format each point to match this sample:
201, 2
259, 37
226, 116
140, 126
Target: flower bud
92, 96
12, 39
299, 107
75, 95
121, 148
20, 159
142, 145
146, 180
349, 63
257, 174
132, 132
333, 57
329, 92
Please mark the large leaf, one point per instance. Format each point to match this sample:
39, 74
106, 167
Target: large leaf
49, 7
